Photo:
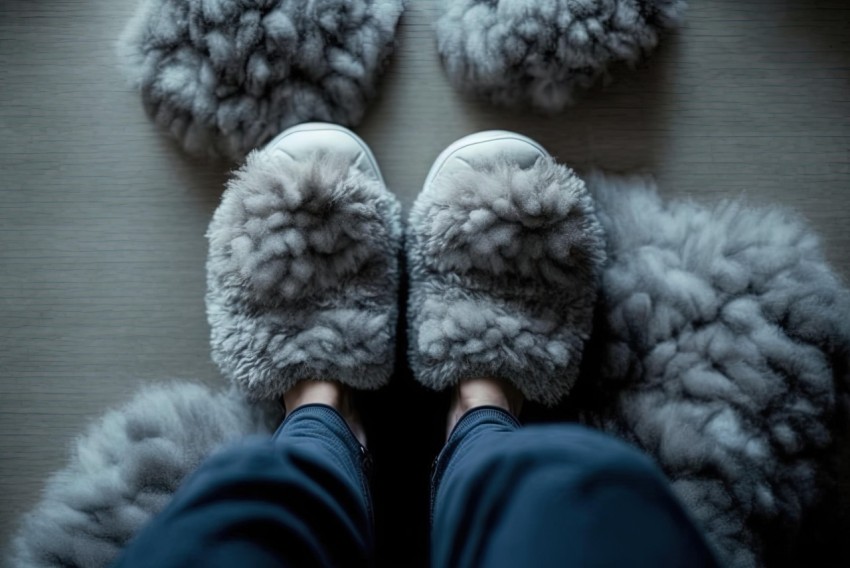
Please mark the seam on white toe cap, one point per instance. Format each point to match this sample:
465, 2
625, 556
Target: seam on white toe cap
335, 136
480, 141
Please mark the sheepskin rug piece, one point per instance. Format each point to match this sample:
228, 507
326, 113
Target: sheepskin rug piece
504, 265
125, 469
225, 76
721, 348
303, 275
540, 53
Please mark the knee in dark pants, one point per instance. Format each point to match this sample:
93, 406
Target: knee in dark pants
568, 493
574, 445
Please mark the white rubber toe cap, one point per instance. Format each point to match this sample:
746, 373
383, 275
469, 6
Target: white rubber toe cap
302, 141
484, 146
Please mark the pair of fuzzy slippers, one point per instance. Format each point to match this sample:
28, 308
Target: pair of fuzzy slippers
223, 77
504, 254
721, 347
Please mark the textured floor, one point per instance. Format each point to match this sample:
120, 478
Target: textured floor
102, 221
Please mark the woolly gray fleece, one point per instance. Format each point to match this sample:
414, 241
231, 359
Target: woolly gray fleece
225, 76
302, 275
124, 470
540, 52
504, 265
720, 334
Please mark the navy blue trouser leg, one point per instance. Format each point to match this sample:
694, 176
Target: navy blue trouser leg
560, 495
299, 499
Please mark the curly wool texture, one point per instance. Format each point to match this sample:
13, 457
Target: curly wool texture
541, 52
302, 275
125, 469
225, 76
719, 334
504, 266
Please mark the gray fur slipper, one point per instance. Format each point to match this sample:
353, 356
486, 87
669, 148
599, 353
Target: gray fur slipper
302, 275
541, 52
223, 77
504, 254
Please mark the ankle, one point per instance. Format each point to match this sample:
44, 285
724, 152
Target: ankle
484, 391
314, 392
329, 393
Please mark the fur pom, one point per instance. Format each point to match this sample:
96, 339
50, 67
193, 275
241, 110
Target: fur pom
504, 266
225, 76
541, 52
125, 469
720, 331
302, 275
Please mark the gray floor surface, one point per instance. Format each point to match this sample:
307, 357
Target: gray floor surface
102, 220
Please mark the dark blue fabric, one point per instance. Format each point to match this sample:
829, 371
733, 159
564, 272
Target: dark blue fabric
501, 497
559, 495
299, 499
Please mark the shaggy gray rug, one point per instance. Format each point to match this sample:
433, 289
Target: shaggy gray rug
225, 76
720, 333
719, 337
541, 52
125, 468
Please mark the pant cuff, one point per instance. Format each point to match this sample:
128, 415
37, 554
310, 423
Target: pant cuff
480, 417
331, 417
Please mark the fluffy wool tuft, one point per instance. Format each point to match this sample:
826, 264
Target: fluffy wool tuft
541, 52
302, 275
125, 469
225, 76
504, 266
720, 333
